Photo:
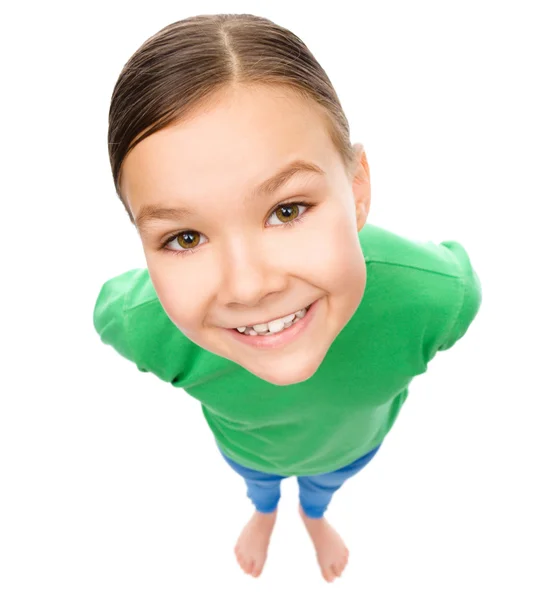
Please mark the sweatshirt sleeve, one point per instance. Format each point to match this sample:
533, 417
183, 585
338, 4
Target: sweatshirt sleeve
129, 317
471, 297
109, 318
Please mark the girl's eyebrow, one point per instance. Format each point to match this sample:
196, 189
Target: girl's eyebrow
152, 212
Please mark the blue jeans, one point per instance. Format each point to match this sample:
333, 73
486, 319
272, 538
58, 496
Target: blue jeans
315, 491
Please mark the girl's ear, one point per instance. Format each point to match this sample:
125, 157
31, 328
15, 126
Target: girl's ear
362, 166
361, 186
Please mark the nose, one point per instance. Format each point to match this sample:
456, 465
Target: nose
249, 274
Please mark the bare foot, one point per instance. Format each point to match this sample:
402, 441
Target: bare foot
332, 553
252, 545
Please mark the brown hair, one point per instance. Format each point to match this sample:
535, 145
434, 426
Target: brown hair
184, 64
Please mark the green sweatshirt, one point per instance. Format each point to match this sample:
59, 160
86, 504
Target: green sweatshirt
420, 297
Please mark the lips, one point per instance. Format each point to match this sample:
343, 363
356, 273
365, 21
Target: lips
281, 338
274, 319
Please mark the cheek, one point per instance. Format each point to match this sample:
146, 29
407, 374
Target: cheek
332, 251
181, 303
343, 265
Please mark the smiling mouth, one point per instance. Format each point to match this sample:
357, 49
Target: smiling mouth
275, 319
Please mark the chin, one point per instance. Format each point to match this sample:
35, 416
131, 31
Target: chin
291, 377
291, 381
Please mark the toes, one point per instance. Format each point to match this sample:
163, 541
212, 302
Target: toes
245, 564
339, 568
336, 569
328, 574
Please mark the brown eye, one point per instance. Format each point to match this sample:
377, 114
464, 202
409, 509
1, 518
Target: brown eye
289, 215
189, 238
287, 212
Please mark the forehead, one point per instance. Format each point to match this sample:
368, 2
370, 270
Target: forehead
230, 145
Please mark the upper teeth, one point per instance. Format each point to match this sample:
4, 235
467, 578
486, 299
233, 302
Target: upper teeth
277, 324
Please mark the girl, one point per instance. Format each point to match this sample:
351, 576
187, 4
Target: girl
266, 296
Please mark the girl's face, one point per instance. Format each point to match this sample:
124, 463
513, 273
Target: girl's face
222, 254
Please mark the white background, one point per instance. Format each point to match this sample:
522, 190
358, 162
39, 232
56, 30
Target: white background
111, 485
